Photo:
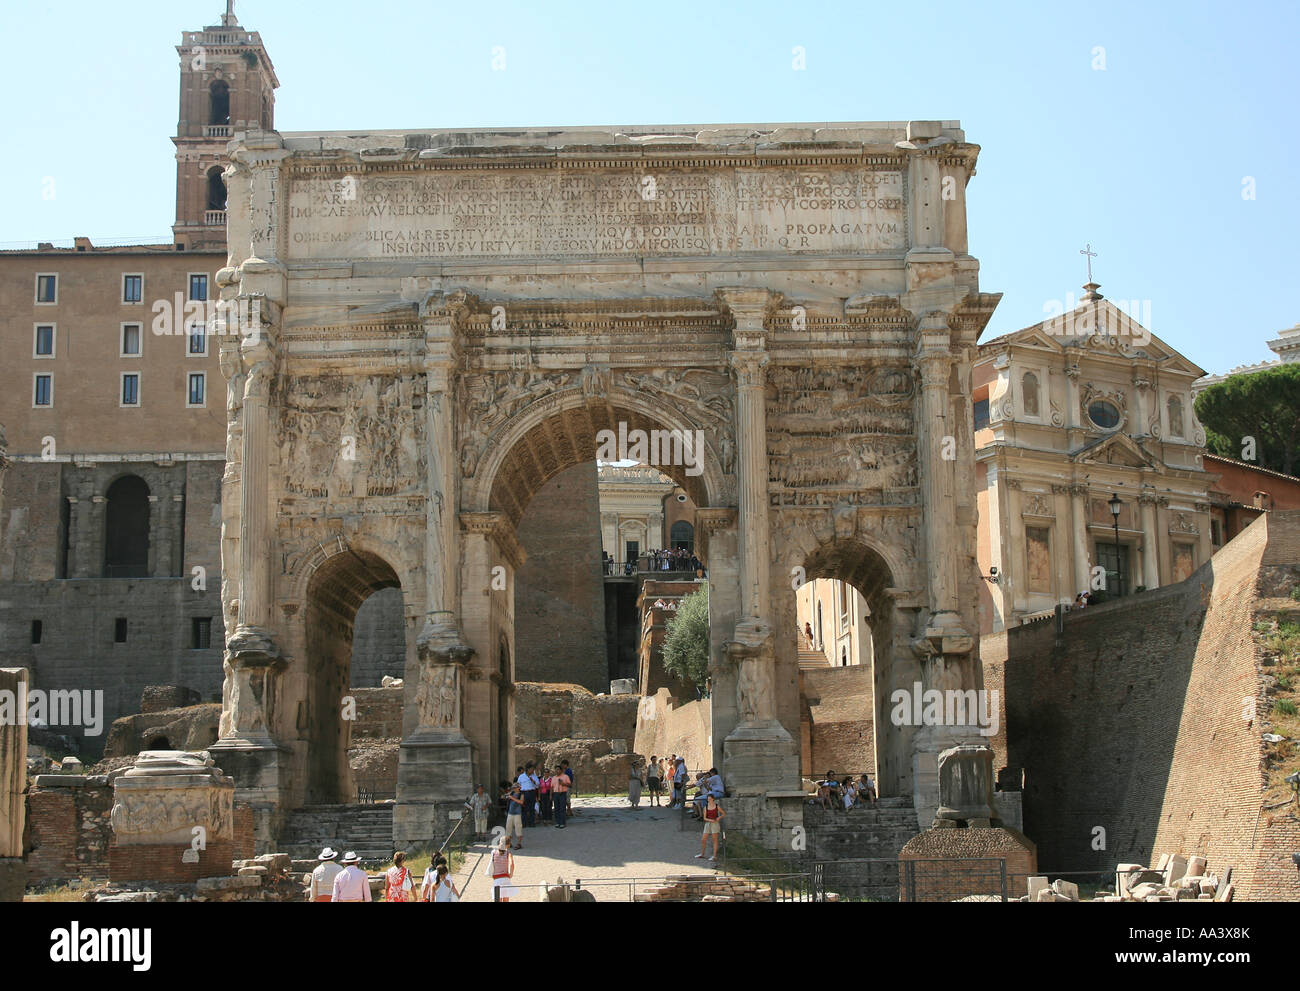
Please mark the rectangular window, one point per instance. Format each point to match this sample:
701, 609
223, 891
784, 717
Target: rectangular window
981, 414
44, 394
1216, 532
37, 630
130, 388
200, 633
119, 630
131, 338
198, 340
198, 287
198, 389
43, 347
132, 288
1038, 555
47, 288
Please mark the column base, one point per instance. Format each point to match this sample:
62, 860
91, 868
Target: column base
928, 744
257, 765
758, 758
435, 774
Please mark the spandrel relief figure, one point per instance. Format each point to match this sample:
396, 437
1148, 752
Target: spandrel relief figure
439, 699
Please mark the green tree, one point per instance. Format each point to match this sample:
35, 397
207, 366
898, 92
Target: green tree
1263, 405
686, 639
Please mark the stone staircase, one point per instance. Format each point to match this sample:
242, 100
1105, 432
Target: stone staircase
366, 829
808, 656
865, 832
839, 839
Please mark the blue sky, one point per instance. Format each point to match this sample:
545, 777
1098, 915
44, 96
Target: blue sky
1144, 158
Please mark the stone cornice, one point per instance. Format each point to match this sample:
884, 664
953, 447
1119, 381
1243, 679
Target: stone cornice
497, 527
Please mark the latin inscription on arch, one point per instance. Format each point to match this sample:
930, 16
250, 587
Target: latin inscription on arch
444, 215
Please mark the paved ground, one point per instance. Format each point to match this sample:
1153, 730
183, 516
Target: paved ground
605, 840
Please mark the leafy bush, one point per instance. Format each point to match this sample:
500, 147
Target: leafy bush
686, 639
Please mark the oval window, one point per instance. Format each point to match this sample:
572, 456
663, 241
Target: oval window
1104, 414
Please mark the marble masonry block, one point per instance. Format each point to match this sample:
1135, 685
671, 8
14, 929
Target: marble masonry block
172, 818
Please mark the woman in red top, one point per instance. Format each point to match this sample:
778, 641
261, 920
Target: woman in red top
503, 869
713, 816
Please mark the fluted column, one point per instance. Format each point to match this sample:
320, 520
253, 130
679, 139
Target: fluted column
751, 481
759, 753
938, 441
1079, 519
1150, 541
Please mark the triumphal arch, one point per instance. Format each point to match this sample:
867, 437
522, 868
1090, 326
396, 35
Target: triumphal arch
443, 320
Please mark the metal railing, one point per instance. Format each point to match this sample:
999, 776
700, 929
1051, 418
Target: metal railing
647, 565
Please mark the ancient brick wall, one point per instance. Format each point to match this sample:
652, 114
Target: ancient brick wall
559, 591
68, 828
379, 639
1132, 720
841, 732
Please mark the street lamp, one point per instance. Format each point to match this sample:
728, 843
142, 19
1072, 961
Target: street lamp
1114, 503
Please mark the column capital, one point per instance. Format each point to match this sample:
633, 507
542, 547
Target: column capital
715, 518
496, 527
1078, 489
750, 367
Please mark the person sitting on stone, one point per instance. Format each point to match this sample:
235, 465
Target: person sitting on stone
867, 789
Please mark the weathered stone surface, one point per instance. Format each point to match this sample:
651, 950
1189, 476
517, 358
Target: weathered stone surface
211, 884
13, 764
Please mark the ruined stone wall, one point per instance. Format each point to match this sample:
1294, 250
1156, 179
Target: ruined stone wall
547, 712
78, 615
664, 727
1132, 720
560, 591
68, 827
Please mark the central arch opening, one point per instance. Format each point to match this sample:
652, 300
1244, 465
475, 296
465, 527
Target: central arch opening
597, 530
844, 630
335, 594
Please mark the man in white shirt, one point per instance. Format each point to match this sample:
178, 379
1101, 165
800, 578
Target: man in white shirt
351, 884
529, 783
322, 878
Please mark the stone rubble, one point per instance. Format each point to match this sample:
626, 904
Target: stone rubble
1174, 878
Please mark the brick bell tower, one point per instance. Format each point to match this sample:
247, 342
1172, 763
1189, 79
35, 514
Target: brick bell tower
227, 84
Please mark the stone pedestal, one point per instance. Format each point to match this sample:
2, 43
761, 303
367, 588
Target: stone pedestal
433, 777
435, 766
966, 787
173, 819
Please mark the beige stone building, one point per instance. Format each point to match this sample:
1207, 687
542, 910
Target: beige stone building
115, 411
840, 620
1071, 413
642, 509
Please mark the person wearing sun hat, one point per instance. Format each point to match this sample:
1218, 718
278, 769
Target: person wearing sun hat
351, 884
322, 878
